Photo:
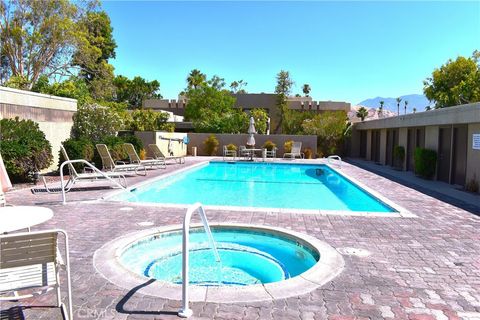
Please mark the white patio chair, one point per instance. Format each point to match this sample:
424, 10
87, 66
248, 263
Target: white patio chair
271, 153
229, 153
134, 158
30, 265
295, 152
243, 152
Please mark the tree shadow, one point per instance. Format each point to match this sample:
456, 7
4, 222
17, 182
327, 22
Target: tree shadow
120, 307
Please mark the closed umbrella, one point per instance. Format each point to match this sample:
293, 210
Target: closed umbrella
251, 131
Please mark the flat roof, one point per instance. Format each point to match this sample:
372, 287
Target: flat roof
467, 113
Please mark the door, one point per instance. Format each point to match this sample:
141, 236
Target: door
459, 156
444, 151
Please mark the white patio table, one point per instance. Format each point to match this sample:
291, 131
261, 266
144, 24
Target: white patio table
251, 152
22, 217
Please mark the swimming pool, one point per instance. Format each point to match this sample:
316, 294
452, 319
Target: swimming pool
259, 185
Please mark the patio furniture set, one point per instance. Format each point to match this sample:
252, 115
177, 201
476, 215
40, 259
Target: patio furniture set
250, 153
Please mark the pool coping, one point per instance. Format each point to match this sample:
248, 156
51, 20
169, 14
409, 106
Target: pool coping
400, 211
331, 264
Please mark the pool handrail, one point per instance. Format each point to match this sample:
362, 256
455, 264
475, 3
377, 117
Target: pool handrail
335, 157
186, 312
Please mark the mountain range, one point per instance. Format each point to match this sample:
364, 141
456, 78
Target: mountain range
418, 101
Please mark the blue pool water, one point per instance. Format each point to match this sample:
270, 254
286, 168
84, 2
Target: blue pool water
247, 257
267, 185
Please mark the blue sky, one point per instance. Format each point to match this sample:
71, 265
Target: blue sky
347, 51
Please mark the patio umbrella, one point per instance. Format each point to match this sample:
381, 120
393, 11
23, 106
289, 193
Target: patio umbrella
251, 132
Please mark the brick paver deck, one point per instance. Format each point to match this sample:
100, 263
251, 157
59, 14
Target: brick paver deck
419, 268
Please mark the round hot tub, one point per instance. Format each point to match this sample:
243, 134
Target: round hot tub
247, 256
256, 262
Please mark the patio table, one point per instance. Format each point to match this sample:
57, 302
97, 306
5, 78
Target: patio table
251, 152
22, 217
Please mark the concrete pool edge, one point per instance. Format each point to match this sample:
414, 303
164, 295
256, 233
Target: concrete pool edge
106, 263
399, 210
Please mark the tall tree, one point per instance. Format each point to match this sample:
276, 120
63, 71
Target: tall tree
414, 110
306, 89
217, 82
380, 110
282, 90
406, 104
95, 47
238, 86
196, 78
135, 91
398, 105
362, 113
456, 82
38, 37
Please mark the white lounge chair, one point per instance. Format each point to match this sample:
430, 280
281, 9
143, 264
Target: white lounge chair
109, 165
91, 176
229, 153
158, 154
295, 152
29, 266
134, 158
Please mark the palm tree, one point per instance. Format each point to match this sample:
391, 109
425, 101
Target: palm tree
362, 113
398, 105
306, 89
380, 110
196, 78
406, 103
414, 110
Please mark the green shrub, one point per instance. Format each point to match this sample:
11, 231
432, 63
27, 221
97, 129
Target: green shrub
398, 156
269, 145
93, 122
425, 162
210, 145
287, 146
472, 185
25, 150
231, 147
77, 149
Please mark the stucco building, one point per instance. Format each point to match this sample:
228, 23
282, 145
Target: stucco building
454, 133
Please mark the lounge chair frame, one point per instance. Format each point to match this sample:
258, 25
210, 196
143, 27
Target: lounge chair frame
110, 165
32, 261
158, 154
149, 162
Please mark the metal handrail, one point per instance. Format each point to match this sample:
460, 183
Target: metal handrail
186, 312
336, 158
95, 169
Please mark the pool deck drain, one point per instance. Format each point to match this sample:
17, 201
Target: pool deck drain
422, 268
